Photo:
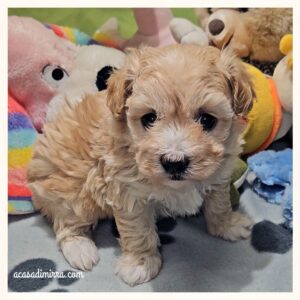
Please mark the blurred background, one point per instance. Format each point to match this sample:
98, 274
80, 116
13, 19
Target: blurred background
89, 20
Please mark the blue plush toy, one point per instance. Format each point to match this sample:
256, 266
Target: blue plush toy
274, 173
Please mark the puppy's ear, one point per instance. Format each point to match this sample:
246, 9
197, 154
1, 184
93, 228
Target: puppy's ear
120, 84
239, 83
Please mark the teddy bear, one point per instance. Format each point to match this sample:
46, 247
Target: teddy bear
250, 32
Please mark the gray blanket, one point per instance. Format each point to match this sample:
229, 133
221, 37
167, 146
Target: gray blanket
193, 261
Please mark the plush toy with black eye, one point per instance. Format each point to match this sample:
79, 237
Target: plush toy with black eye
254, 33
41, 57
38, 63
54, 75
93, 66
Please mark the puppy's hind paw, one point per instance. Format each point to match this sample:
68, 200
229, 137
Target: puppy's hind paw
80, 252
135, 271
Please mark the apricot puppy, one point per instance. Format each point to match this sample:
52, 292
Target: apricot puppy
161, 140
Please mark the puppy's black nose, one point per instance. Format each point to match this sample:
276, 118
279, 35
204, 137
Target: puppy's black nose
174, 167
216, 26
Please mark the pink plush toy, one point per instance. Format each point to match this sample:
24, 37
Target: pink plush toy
153, 28
38, 62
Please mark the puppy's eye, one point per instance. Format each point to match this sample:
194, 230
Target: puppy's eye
148, 120
207, 121
243, 9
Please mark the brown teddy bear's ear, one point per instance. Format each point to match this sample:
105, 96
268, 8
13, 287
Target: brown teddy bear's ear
120, 84
239, 83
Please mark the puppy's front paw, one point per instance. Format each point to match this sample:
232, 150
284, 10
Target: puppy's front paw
135, 271
80, 252
236, 226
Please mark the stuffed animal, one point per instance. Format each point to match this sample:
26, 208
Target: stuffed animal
21, 138
268, 120
272, 179
185, 32
153, 29
250, 32
40, 59
38, 62
93, 66
281, 89
238, 177
283, 74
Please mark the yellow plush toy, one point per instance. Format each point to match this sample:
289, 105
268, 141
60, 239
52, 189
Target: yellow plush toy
264, 119
283, 74
271, 115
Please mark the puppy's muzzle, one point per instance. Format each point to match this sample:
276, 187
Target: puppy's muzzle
175, 168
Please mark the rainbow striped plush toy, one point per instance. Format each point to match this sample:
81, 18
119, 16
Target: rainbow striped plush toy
80, 38
21, 137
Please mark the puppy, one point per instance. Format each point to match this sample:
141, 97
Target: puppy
162, 139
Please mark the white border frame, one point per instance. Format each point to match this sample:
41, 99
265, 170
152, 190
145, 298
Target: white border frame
4, 4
